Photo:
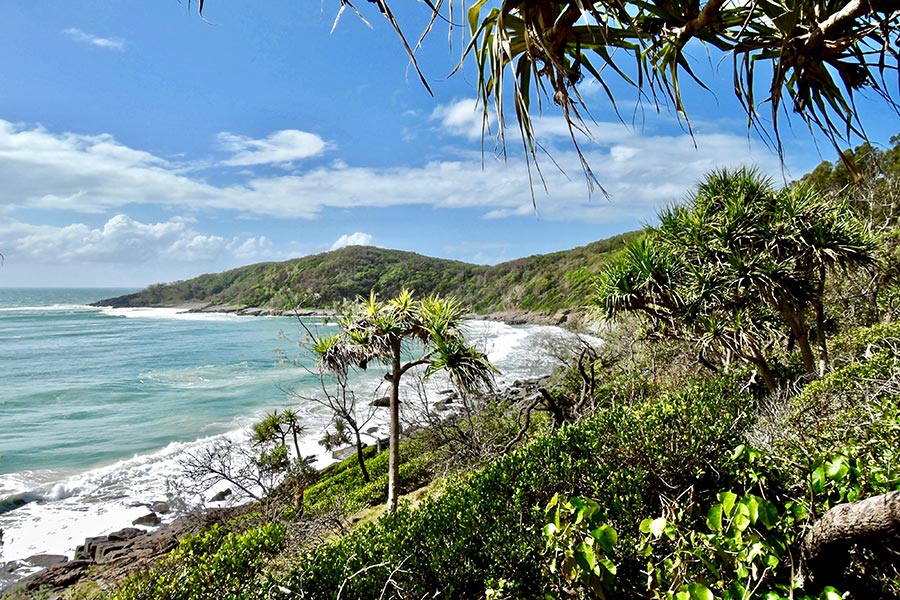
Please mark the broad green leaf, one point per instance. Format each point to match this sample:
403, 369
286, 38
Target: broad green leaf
768, 514
754, 551
606, 537
727, 499
584, 556
608, 565
752, 504
837, 468
698, 591
553, 502
818, 480
714, 518
742, 517
799, 511
829, 593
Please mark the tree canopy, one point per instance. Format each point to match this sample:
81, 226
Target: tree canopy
740, 266
386, 333
811, 56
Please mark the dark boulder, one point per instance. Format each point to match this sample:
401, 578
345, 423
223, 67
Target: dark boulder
46, 560
128, 533
221, 495
56, 576
150, 519
89, 549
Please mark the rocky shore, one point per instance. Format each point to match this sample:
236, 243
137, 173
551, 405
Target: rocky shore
107, 559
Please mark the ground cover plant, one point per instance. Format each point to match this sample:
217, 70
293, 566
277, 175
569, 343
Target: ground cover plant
680, 503
648, 471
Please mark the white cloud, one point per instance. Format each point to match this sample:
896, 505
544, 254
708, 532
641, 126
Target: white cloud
95, 40
353, 239
463, 117
122, 240
96, 174
280, 147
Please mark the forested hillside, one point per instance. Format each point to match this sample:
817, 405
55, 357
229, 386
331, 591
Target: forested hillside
541, 282
735, 436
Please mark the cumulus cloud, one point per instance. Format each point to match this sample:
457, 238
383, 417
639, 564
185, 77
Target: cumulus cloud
280, 147
354, 239
95, 40
123, 240
463, 117
96, 174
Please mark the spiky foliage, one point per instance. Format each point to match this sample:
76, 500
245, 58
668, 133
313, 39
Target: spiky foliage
387, 332
739, 264
815, 55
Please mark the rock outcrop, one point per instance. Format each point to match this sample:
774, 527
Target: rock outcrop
111, 557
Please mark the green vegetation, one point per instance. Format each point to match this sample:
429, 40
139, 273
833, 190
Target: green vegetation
384, 331
213, 564
545, 282
669, 486
643, 469
740, 266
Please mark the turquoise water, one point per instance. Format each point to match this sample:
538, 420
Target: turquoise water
99, 407
84, 386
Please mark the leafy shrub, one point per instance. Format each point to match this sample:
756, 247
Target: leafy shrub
487, 526
213, 565
579, 543
342, 485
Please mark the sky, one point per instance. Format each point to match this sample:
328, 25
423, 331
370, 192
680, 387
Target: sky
140, 143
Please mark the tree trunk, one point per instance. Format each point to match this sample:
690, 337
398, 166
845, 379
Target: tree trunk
359, 448
394, 452
820, 323
757, 358
795, 320
764, 370
556, 411
296, 442
825, 548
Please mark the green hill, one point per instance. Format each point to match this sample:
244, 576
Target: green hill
542, 282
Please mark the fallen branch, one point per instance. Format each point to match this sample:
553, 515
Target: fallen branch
826, 545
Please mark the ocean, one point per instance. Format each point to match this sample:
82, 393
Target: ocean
97, 405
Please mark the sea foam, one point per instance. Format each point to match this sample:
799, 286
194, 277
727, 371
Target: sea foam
52, 511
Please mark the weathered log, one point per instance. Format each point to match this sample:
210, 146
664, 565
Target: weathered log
827, 544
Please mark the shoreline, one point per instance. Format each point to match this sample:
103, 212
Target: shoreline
510, 343
111, 557
569, 318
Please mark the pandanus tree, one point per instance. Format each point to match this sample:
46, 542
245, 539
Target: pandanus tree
276, 426
401, 334
813, 55
740, 264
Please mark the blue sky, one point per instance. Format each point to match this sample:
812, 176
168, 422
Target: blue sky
140, 144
